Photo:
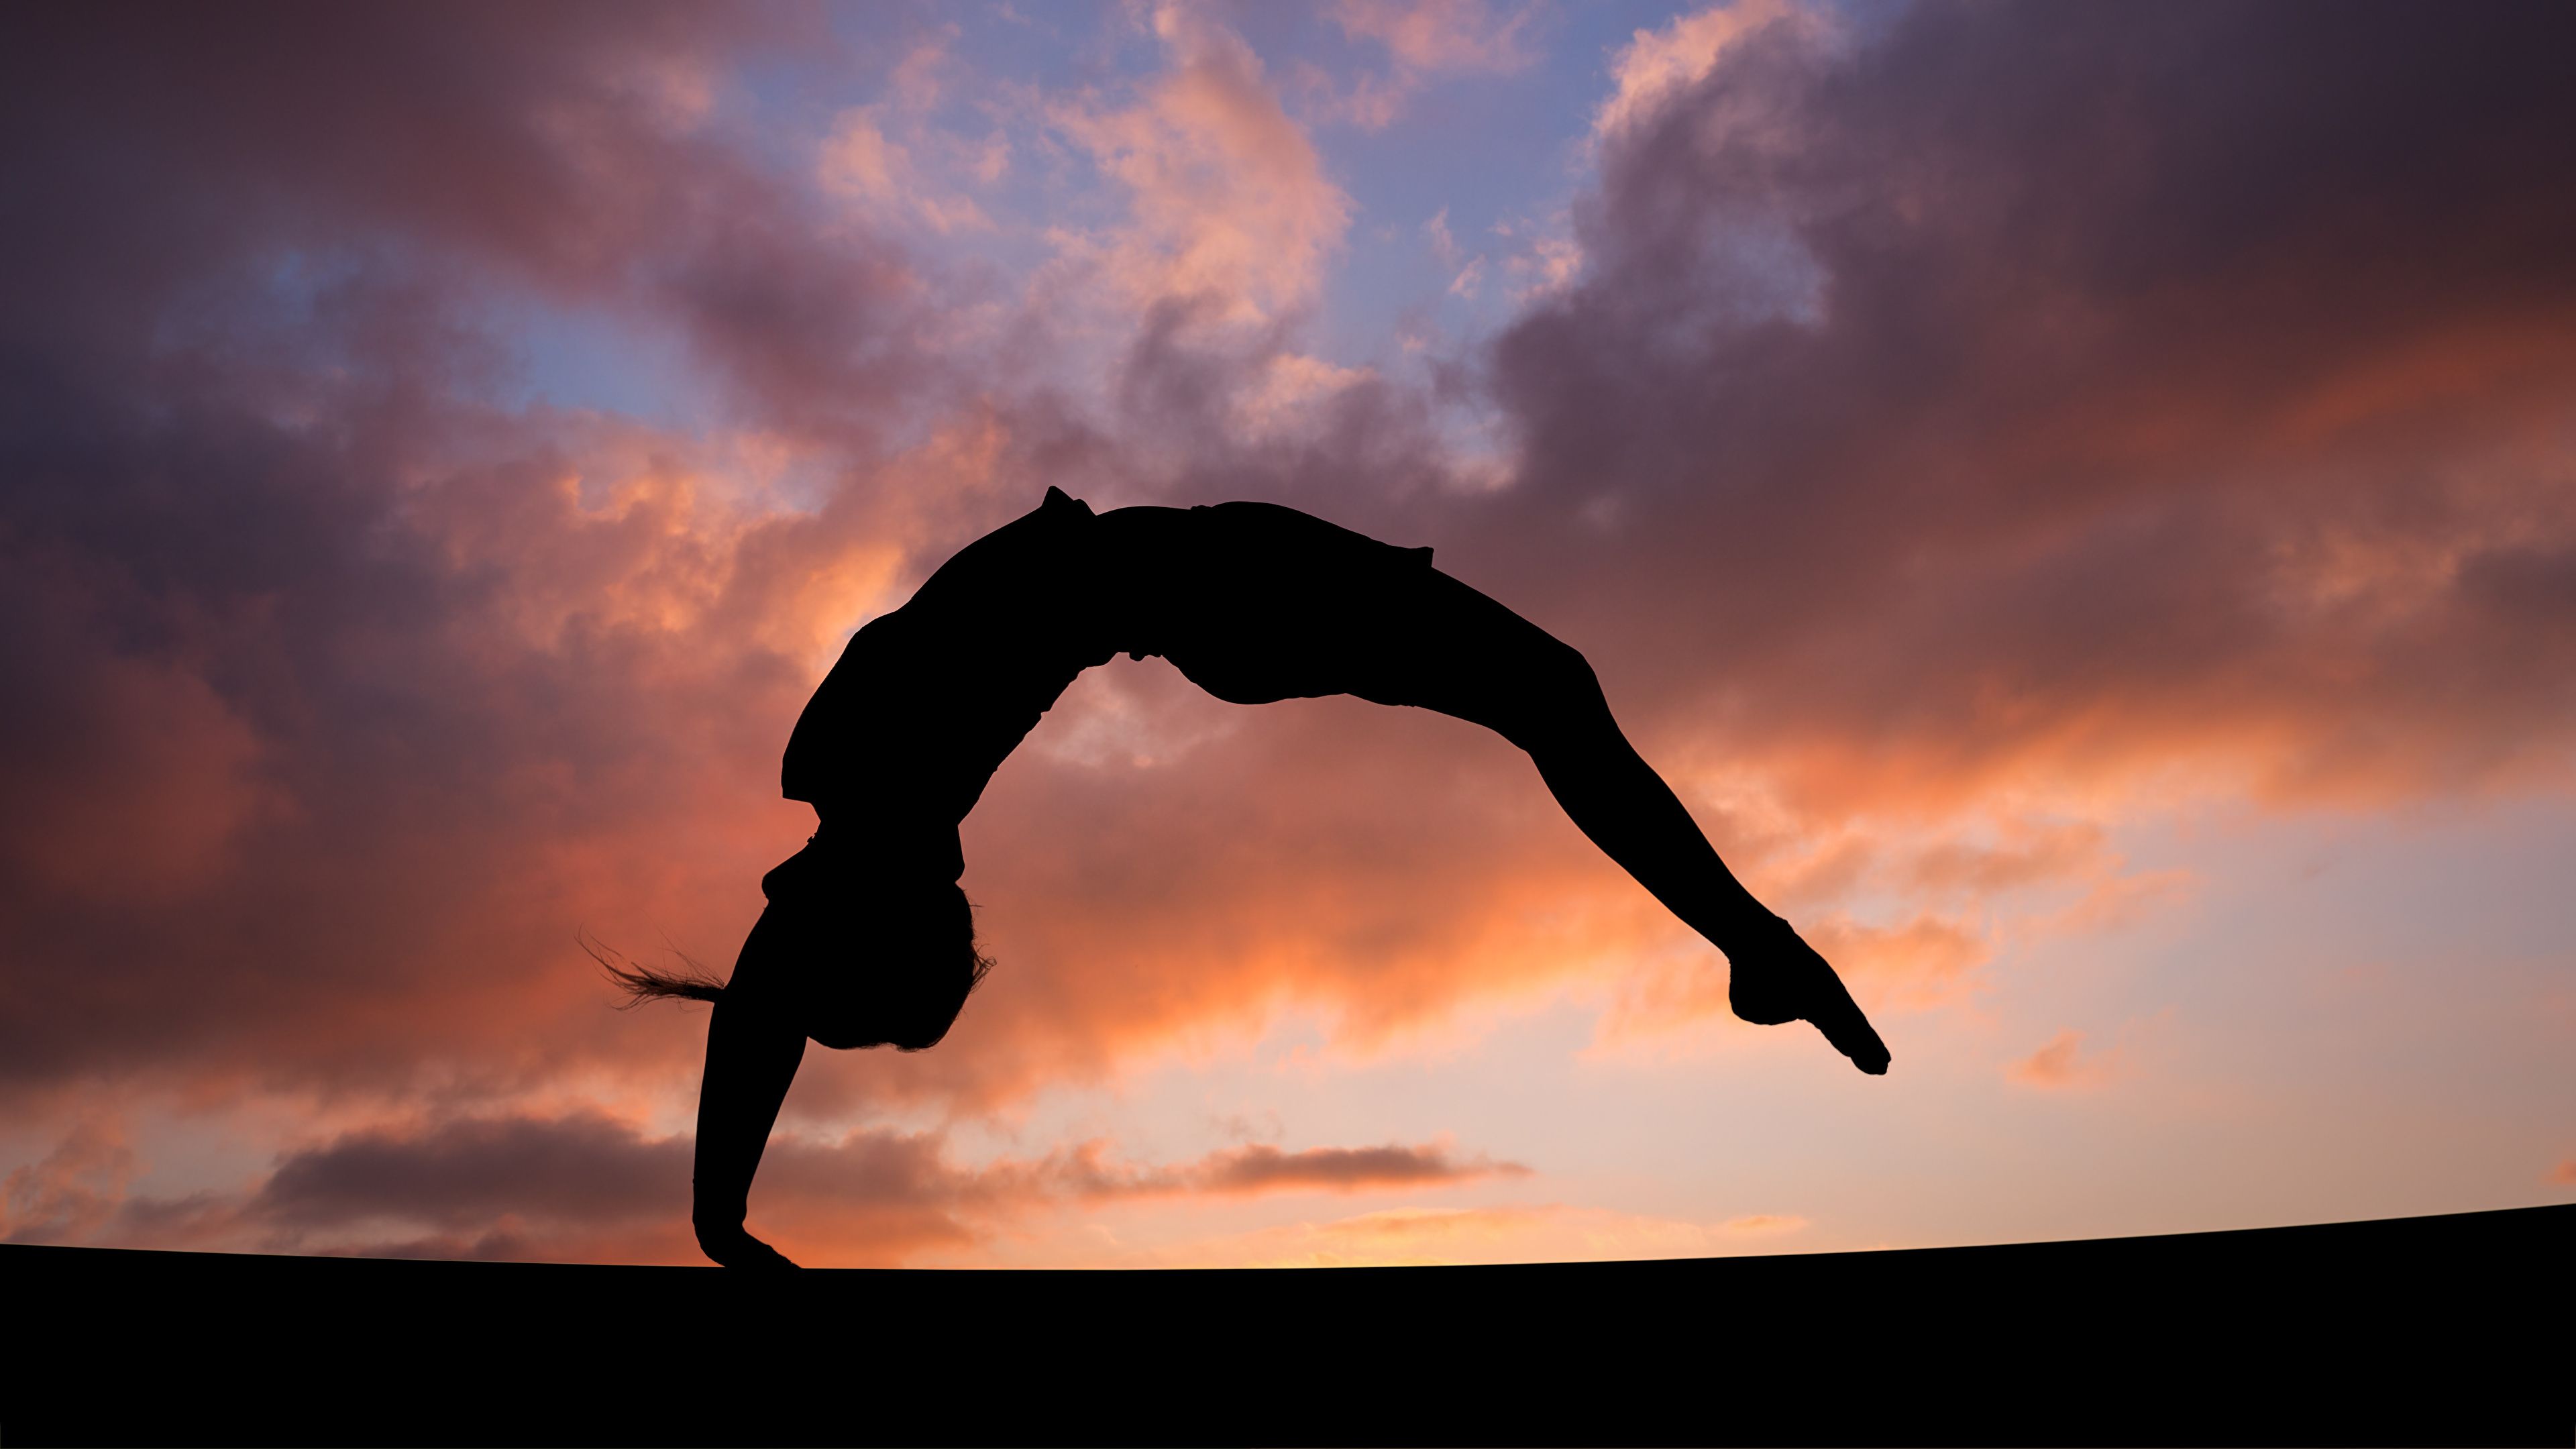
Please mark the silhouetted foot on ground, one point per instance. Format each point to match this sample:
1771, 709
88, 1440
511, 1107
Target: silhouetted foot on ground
1774, 977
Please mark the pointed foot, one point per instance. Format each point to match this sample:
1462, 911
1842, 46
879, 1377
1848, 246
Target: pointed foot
1777, 977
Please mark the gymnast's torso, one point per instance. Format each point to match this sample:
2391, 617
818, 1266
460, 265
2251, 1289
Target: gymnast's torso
1254, 602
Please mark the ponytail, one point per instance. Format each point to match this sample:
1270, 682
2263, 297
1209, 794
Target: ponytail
642, 983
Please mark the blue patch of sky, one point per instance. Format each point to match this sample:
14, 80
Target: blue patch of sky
598, 359
1487, 148
1509, 149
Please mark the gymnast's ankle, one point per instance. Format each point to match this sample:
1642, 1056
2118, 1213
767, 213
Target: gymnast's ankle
1758, 937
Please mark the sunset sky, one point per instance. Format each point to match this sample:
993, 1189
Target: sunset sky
2078, 499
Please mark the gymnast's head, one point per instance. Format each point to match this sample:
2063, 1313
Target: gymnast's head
889, 963
877, 960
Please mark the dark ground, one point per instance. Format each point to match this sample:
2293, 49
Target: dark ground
2441, 1330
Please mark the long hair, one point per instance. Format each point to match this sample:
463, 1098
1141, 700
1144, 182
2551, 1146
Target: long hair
642, 983
936, 1001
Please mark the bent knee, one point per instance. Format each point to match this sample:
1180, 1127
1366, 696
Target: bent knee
1557, 699
1558, 675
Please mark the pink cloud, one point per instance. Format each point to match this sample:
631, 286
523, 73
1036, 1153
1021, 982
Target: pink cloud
1443, 35
72, 1190
1655, 65
1424, 39
1228, 201
2064, 1065
861, 162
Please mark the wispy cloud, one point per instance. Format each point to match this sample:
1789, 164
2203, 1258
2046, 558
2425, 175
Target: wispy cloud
1424, 40
1444, 35
2063, 1064
1227, 198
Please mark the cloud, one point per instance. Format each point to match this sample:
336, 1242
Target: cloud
1545, 267
1369, 101
580, 1169
1923, 961
1656, 64
2032, 852
562, 151
1443, 245
1424, 40
1227, 199
460, 679
1443, 35
1289, 387
72, 1190
1260, 1168
2064, 1065
921, 79
133, 775
859, 162
585, 1184
1974, 413
340, 682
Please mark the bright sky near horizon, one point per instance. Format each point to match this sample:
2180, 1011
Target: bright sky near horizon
2077, 499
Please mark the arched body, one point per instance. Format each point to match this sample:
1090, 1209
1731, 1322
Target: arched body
1252, 602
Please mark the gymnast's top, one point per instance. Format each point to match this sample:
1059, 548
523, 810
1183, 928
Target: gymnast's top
1252, 601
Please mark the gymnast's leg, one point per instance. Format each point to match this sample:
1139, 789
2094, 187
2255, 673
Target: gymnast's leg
1488, 665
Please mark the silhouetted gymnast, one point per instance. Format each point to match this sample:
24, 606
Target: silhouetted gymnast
868, 940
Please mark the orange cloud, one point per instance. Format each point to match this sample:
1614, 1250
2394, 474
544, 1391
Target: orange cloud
2063, 1065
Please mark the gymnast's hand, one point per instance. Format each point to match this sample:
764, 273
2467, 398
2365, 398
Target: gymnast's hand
734, 1247
1774, 976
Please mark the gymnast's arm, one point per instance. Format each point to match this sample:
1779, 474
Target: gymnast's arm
752, 1056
